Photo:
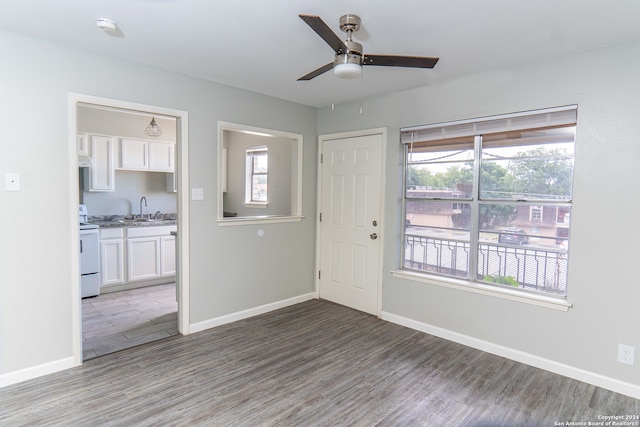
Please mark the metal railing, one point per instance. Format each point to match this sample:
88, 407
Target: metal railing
527, 266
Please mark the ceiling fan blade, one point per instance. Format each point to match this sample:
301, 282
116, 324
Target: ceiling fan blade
316, 73
323, 30
400, 61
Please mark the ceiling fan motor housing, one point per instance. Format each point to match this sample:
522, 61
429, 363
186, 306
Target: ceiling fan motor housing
349, 22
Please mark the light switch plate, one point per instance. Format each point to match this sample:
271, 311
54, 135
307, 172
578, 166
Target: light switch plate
197, 194
12, 181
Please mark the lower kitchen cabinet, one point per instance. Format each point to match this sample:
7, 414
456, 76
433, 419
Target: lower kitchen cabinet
137, 254
112, 256
168, 255
143, 255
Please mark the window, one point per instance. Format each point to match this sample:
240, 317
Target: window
489, 200
257, 171
259, 175
535, 214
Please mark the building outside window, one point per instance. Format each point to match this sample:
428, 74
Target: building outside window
489, 200
257, 172
535, 213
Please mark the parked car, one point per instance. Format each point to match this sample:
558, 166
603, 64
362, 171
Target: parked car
514, 236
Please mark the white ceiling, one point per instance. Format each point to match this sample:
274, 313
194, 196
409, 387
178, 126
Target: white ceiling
263, 46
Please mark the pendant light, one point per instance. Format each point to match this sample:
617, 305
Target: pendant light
153, 129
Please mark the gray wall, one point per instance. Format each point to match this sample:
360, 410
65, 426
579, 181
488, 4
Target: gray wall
35, 271
603, 284
130, 186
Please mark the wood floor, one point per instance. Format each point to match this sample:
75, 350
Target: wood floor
312, 364
115, 321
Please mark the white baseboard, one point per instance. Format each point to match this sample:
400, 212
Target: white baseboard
35, 371
628, 389
244, 314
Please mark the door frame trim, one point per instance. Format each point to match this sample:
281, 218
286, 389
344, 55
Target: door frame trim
382, 131
182, 164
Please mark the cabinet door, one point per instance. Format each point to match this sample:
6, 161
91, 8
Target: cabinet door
112, 261
102, 165
161, 156
144, 258
168, 256
172, 184
134, 154
83, 144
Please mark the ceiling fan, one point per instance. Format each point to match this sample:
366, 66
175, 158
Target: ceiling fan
349, 57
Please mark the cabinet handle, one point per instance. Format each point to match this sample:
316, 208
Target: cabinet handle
80, 245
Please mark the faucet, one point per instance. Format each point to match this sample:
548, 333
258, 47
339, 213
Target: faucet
145, 203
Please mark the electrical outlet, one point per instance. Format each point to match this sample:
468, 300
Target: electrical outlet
626, 354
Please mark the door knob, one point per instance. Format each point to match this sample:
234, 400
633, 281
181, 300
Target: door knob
373, 236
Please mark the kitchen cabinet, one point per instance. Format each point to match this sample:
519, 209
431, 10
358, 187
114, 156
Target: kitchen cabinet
168, 255
83, 144
172, 183
134, 154
134, 256
102, 171
143, 155
143, 255
112, 256
161, 156
150, 252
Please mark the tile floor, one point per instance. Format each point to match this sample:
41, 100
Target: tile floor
115, 321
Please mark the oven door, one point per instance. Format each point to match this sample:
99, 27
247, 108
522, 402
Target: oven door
89, 252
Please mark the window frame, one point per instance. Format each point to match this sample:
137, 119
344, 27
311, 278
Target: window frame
472, 282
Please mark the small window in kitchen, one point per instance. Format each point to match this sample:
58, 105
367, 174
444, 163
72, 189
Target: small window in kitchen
257, 174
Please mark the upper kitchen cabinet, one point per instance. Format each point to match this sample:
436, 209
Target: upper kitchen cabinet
101, 175
83, 145
143, 155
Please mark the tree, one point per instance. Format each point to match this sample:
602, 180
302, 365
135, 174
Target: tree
542, 171
418, 176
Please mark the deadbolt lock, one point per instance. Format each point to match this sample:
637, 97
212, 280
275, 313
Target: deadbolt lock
375, 223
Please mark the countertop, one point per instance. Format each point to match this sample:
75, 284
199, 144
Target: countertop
116, 221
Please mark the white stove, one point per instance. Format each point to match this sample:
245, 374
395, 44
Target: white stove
89, 256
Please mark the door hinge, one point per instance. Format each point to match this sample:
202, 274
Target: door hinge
321, 158
320, 216
318, 274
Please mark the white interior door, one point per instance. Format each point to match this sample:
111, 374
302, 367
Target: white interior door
350, 226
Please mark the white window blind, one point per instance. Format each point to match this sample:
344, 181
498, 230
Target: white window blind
550, 117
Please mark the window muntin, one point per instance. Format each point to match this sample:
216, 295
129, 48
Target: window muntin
492, 238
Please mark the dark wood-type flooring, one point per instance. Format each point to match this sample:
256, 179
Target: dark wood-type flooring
312, 364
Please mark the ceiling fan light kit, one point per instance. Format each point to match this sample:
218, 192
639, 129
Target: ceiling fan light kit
349, 56
347, 66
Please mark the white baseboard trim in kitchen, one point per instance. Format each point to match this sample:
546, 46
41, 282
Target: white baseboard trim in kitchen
588, 377
244, 314
35, 371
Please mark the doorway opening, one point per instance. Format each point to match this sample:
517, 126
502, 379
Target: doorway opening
144, 292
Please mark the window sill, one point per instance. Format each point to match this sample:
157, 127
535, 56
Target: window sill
478, 288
